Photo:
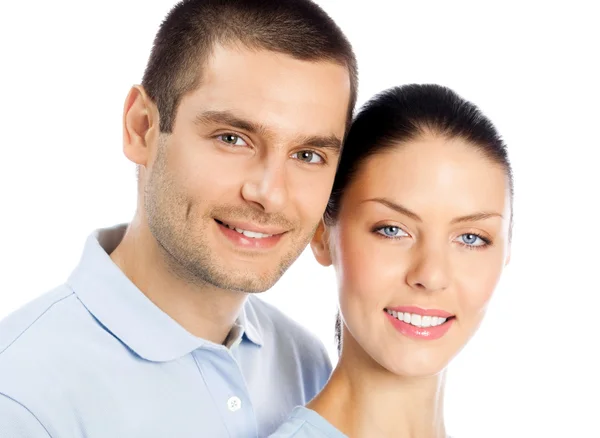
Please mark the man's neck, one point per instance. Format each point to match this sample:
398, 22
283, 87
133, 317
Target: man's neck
364, 400
203, 310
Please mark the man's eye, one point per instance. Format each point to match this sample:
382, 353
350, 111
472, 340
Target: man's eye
232, 139
308, 157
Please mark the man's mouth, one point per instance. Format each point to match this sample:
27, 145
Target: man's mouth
253, 234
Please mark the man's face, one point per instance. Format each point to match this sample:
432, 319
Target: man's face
235, 192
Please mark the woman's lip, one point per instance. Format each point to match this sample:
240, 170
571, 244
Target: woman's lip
420, 311
425, 333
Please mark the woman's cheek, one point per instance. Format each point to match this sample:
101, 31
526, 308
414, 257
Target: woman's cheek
371, 277
476, 286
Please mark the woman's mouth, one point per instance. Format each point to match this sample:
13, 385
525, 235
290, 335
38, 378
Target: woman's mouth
418, 320
420, 324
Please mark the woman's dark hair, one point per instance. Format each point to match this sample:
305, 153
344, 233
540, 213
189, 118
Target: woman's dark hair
406, 113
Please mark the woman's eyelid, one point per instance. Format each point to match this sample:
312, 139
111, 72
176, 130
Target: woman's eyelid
485, 239
485, 236
401, 228
403, 231
481, 241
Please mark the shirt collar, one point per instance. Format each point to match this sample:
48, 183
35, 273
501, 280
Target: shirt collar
128, 314
250, 322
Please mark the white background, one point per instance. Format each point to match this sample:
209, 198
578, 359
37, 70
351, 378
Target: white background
532, 370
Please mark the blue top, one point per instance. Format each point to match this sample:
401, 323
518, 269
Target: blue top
95, 358
306, 423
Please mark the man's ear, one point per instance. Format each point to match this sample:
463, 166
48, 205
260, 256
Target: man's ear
320, 245
140, 125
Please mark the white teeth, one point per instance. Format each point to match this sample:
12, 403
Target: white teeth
417, 320
252, 234
246, 233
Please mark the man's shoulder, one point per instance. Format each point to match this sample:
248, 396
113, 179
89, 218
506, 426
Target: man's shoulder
33, 318
32, 345
48, 349
39, 341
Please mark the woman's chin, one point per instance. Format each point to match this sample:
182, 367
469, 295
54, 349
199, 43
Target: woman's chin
416, 366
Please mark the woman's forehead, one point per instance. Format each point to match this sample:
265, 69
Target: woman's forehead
437, 170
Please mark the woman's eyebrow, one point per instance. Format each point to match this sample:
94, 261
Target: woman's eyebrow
476, 217
405, 211
396, 207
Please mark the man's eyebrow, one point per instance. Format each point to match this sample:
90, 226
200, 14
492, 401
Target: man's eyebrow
321, 142
230, 119
476, 217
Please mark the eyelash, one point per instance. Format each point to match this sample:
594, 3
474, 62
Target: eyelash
487, 242
379, 228
233, 134
323, 160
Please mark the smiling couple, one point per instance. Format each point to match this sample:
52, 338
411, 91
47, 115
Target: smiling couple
244, 114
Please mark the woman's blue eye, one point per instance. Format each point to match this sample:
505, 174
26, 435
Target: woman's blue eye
391, 231
472, 240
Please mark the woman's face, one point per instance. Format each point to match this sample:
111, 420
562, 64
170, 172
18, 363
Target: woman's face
419, 246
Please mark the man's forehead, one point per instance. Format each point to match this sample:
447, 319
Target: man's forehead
271, 72
223, 56
276, 91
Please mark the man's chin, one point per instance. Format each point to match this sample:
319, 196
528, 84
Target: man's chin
248, 276
247, 285
247, 282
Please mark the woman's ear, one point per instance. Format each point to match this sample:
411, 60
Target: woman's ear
320, 245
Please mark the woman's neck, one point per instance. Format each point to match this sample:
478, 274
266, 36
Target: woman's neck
363, 400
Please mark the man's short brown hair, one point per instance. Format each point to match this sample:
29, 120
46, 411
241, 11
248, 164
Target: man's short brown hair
298, 28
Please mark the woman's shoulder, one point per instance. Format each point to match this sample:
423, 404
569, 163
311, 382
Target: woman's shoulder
306, 423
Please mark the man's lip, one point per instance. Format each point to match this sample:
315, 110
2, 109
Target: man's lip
252, 227
420, 311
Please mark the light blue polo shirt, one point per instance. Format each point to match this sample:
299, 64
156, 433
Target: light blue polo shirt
306, 423
95, 358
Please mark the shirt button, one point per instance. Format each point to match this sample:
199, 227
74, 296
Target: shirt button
234, 403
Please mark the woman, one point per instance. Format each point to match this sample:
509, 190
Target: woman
418, 229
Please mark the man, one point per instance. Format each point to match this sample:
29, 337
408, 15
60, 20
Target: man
236, 132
